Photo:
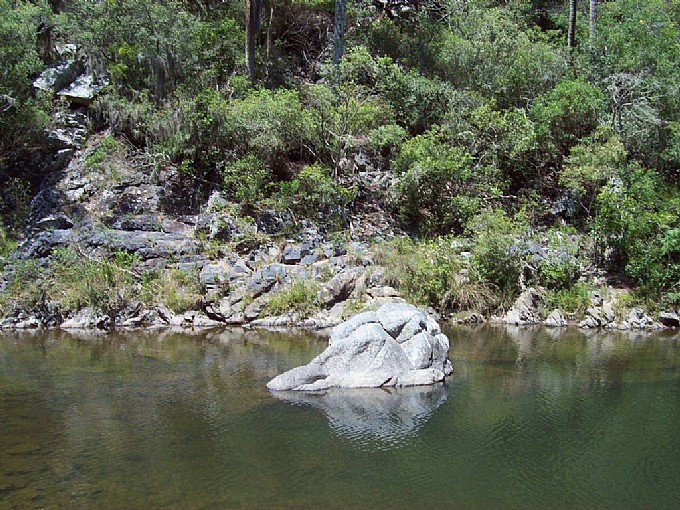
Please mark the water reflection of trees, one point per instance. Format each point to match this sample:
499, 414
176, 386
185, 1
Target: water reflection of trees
528, 356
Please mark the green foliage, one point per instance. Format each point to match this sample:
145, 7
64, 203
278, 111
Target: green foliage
143, 45
73, 281
496, 255
591, 164
246, 180
314, 193
485, 50
638, 221
418, 101
573, 301
21, 117
6, 243
108, 148
269, 123
439, 189
384, 142
300, 297
431, 273
340, 119
177, 289
560, 268
567, 113
14, 200
637, 58
503, 143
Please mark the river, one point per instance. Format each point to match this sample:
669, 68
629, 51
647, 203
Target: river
530, 419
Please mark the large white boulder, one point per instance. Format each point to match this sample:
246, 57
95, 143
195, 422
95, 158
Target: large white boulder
397, 345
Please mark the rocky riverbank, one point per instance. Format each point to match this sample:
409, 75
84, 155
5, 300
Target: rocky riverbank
114, 240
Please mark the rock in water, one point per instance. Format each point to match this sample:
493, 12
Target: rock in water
397, 345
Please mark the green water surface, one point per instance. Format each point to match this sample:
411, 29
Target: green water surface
530, 419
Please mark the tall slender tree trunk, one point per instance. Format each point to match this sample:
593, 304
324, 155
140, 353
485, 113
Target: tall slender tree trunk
593, 17
254, 10
571, 35
270, 27
339, 31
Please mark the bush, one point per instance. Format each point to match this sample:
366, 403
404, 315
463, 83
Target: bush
567, 113
496, 255
246, 180
439, 189
177, 289
573, 301
314, 193
22, 118
592, 163
72, 281
637, 222
340, 119
560, 268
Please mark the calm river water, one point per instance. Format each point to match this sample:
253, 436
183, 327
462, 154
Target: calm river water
530, 419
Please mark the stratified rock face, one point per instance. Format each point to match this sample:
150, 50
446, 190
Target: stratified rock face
397, 345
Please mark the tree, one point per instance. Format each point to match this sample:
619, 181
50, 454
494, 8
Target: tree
339, 31
254, 11
593, 17
571, 35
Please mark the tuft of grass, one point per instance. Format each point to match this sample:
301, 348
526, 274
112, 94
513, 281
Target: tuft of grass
431, 273
177, 289
300, 298
72, 281
572, 301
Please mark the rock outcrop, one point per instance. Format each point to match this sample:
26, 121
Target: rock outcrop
397, 345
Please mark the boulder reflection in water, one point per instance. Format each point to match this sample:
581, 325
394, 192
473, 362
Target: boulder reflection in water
374, 417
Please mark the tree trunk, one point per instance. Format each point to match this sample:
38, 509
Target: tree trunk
593, 17
254, 10
270, 27
339, 32
571, 35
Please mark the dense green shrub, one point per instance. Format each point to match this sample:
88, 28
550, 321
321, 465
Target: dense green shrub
314, 193
567, 113
637, 222
497, 255
439, 189
73, 281
246, 180
143, 46
179, 290
560, 267
572, 301
485, 50
340, 119
22, 118
591, 164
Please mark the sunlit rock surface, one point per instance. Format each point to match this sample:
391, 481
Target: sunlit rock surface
397, 345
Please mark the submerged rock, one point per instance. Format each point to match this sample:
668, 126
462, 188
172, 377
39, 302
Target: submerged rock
397, 345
